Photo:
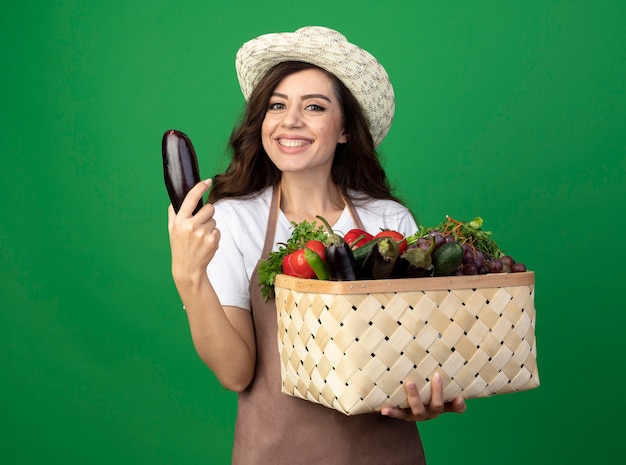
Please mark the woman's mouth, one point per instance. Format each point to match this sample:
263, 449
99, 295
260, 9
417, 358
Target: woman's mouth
292, 143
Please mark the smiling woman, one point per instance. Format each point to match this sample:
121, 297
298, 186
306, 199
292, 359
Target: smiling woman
306, 148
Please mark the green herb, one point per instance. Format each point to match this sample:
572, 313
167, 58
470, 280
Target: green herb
470, 232
273, 265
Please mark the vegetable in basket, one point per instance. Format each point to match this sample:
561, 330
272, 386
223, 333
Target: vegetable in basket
381, 259
357, 238
416, 262
452, 248
447, 258
273, 265
317, 261
339, 258
307, 262
398, 237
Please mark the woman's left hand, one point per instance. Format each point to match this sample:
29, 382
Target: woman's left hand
417, 411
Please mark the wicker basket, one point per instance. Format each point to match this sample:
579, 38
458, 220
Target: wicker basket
351, 345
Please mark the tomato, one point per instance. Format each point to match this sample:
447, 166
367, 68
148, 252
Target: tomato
286, 265
352, 238
318, 247
295, 264
399, 237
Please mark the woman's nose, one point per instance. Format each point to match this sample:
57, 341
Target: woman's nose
292, 117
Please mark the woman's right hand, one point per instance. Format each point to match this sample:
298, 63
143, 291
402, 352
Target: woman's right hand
194, 239
223, 336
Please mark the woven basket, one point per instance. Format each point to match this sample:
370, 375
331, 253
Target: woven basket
351, 345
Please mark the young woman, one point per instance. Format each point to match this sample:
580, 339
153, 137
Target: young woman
317, 108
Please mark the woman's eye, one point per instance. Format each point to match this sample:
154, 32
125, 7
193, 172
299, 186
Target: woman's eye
276, 106
315, 107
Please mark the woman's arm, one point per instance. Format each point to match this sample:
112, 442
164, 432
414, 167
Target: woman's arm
222, 336
224, 339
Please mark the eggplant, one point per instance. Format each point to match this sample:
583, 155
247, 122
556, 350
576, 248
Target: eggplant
338, 254
381, 259
180, 167
415, 262
340, 262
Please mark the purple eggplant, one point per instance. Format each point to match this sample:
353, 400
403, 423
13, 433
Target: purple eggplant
180, 167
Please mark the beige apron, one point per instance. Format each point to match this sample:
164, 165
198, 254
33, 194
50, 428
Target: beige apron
273, 428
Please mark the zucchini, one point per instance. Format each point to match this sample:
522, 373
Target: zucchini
361, 253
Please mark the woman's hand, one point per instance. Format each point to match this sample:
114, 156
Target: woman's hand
417, 411
194, 239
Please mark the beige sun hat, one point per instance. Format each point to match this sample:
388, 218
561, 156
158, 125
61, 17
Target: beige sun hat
361, 73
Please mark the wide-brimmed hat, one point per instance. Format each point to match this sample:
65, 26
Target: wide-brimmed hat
360, 72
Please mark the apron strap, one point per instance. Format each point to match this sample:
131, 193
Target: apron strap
353, 213
272, 219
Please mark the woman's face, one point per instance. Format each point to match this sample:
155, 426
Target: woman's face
303, 123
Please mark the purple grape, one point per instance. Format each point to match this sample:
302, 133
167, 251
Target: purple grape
479, 257
423, 243
468, 254
439, 239
506, 263
518, 268
470, 269
495, 265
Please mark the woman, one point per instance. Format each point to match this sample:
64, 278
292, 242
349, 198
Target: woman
317, 108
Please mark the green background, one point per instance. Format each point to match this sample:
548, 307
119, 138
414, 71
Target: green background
513, 111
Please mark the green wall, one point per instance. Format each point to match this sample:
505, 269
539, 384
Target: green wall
513, 111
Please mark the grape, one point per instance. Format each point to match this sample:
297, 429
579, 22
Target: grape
495, 265
468, 254
479, 257
439, 239
518, 268
423, 243
507, 262
449, 238
470, 268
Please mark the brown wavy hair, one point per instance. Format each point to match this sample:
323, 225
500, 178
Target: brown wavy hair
356, 165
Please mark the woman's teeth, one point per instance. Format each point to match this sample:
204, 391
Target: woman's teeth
292, 142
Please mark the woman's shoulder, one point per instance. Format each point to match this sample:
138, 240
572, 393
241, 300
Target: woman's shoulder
384, 213
362, 201
250, 202
250, 209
